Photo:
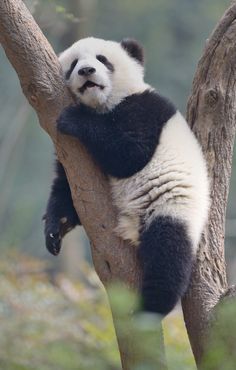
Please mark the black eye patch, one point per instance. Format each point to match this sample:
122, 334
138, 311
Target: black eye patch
72, 66
105, 61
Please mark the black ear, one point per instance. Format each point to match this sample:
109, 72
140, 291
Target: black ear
134, 49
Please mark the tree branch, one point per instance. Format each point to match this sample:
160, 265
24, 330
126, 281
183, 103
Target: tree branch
211, 113
39, 73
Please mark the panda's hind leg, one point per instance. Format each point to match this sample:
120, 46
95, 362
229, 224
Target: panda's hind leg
166, 257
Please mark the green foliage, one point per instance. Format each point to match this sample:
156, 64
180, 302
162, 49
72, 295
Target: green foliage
178, 351
47, 326
50, 322
221, 352
138, 331
64, 325
55, 323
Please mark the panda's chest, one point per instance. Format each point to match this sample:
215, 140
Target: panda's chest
131, 197
159, 188
126, 197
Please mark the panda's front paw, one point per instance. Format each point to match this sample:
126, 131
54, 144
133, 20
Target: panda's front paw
54, 230
53, 240
68, 121
64, 126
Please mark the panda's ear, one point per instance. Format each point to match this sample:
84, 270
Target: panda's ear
134, 49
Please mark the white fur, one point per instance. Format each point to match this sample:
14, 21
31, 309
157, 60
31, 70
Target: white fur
126, 79
174, 183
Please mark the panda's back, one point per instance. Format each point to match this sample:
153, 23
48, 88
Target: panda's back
173, 183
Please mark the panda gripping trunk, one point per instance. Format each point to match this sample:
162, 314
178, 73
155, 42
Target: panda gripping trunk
154, 165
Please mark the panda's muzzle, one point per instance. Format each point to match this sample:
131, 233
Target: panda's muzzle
89, 84
86, 71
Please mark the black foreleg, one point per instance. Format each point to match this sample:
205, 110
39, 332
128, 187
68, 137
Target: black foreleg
166, 258
60, 215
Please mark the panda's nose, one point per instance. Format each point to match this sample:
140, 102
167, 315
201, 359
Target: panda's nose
86, 71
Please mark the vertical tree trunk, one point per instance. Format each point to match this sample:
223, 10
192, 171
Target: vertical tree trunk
211, 114
39, 73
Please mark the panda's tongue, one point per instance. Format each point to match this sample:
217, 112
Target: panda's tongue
88, 85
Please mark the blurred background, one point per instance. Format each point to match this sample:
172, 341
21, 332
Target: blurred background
59, 301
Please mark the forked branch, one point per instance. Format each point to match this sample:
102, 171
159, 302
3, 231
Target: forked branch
211, 114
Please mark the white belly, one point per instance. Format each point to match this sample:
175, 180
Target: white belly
174, 183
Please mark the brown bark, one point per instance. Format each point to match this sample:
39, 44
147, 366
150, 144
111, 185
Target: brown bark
211, 113
37, 67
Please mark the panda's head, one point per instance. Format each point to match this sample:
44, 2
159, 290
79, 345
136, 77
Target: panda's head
101, 73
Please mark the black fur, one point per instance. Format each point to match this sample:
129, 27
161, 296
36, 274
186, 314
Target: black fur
123, 140
105, 61
68, 73
134, 49
59, 206
166, 260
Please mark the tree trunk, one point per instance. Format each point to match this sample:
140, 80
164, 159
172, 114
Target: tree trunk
211, 114
39, 73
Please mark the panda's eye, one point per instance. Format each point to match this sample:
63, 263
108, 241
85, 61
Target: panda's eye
72, 66
105, 61
101, 58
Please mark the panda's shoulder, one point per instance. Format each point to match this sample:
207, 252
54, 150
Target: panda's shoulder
149, 103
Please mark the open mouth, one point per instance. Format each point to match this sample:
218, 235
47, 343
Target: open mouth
89, 85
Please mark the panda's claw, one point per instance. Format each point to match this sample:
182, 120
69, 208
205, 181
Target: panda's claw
53, 243
54, 230
56, 251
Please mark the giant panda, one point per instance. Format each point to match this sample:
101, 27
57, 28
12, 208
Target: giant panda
155, 166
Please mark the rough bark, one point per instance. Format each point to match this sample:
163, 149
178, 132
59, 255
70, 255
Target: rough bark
39, 73
211, 113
